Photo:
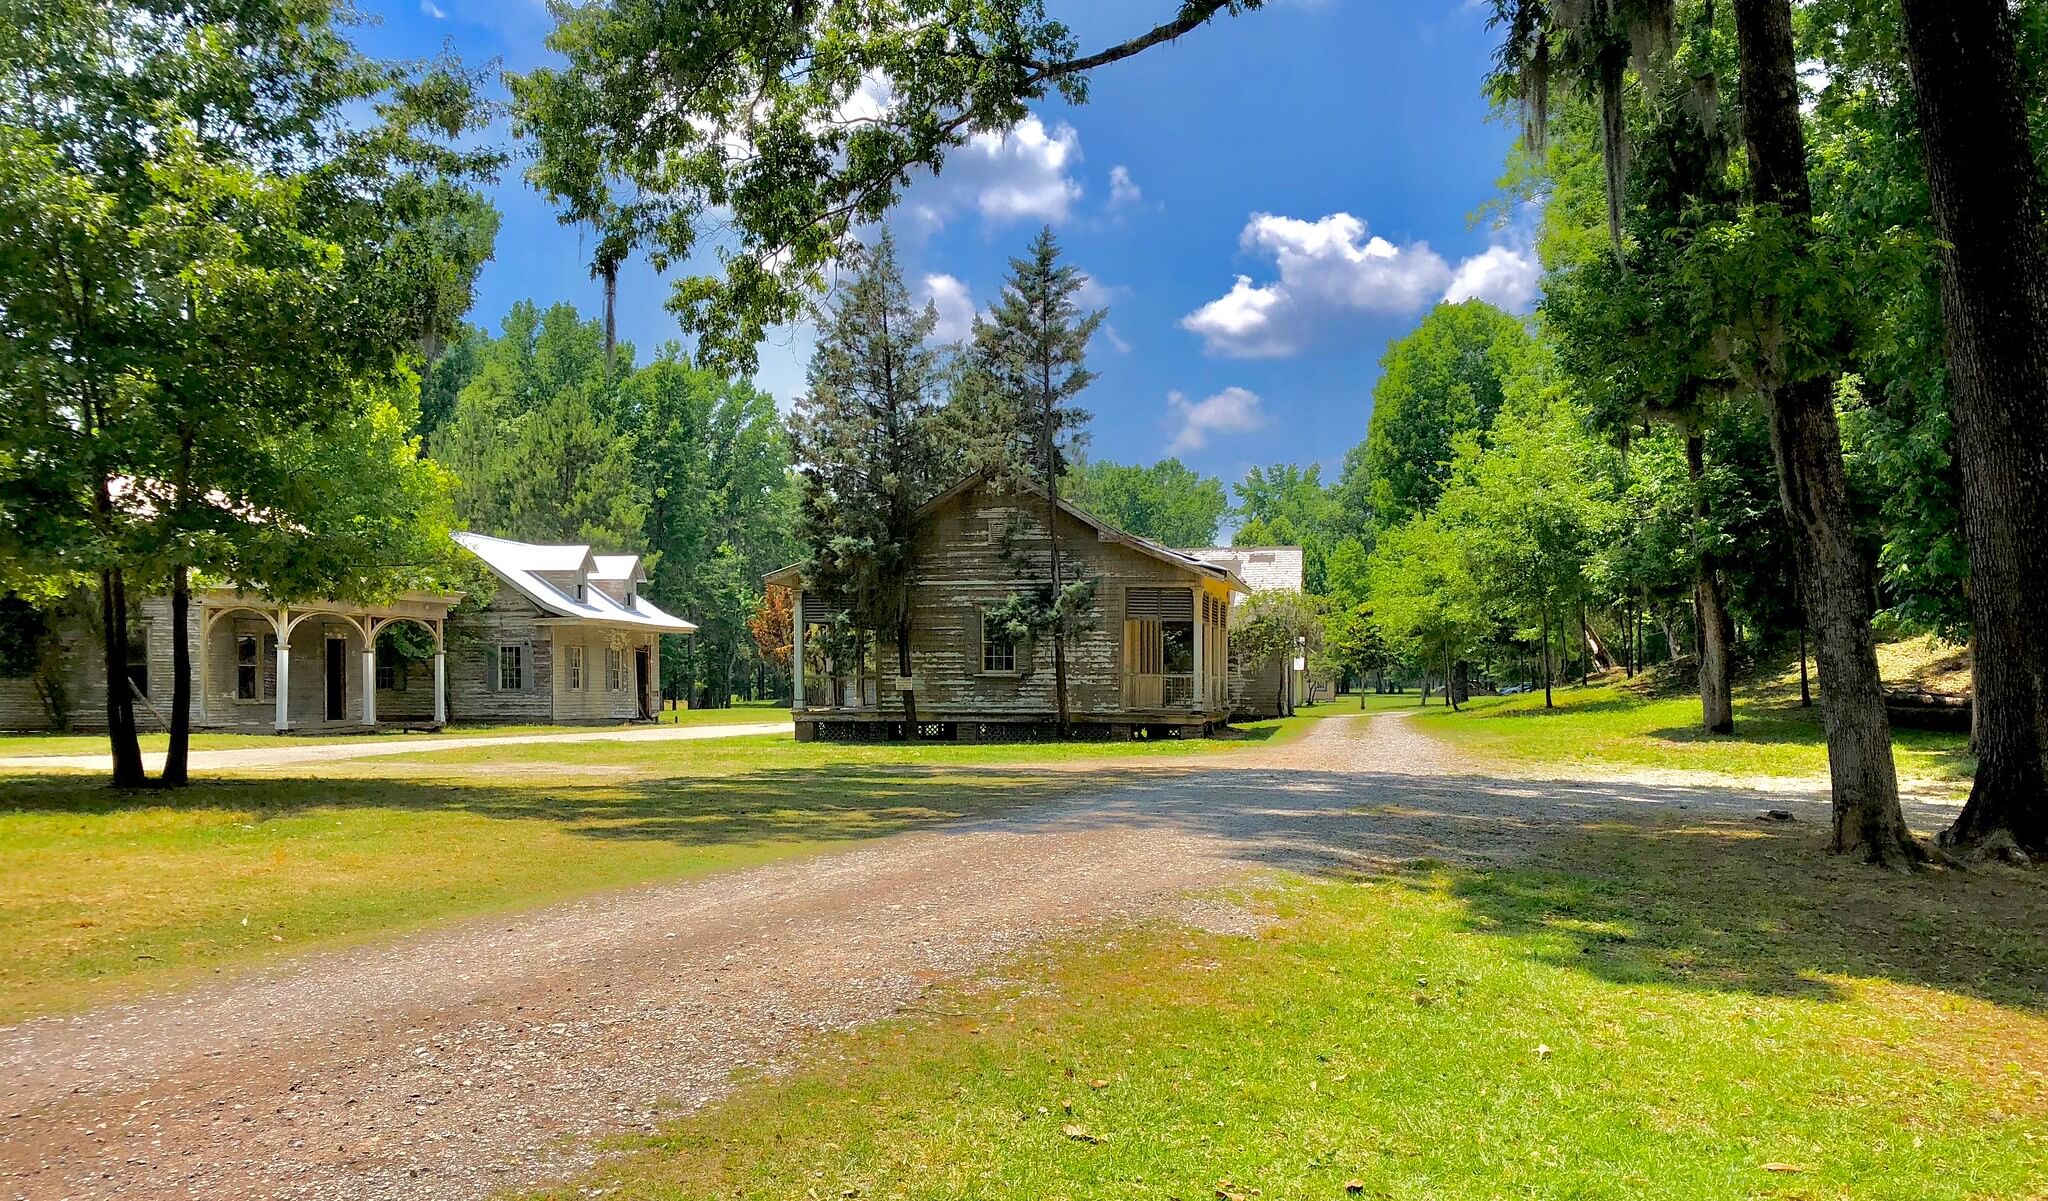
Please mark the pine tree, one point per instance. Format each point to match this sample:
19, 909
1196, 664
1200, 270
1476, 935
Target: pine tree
1032, 352
865, 450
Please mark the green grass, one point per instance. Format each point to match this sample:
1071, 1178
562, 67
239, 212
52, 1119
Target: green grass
1689, 1013
11, 745
740, 712
102, 891
1375, 702
1614, 725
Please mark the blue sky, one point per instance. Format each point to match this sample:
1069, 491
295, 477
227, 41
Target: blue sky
1261, 206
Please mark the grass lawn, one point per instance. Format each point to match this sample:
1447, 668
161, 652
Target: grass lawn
1694, 1013
1617, 725
1375, 702
103, 891
741, 713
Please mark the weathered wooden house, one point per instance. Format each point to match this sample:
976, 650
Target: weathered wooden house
566, 638
1152, 658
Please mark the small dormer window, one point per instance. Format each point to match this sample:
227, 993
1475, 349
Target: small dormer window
582, 593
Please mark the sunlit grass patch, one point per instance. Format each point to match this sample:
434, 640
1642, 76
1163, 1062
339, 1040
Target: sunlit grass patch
1614, 724
1638, 1017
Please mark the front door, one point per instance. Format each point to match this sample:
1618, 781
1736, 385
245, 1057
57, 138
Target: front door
640, 672
337, 679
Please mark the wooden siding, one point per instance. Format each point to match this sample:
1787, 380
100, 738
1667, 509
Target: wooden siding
961, 570
597, 701
474, 636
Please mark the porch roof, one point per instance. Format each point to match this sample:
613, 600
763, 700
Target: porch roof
425, 605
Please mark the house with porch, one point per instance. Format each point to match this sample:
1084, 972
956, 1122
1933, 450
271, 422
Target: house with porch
566, 638
1152, 656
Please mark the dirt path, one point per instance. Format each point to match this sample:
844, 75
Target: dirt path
288, 754
480, 1055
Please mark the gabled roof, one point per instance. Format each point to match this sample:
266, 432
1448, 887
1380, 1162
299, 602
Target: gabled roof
617, 567
789, 576
521, 564
1262, 568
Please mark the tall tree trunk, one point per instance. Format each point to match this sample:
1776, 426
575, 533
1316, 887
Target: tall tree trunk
175, 773
122, 744
1805, 681
1628, 645
1548, 703
1716, 628
1987, 204
609, 270
1585, 648
1807, 444
1052, 534
909, 695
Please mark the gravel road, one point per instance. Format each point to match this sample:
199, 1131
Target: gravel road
482, 1055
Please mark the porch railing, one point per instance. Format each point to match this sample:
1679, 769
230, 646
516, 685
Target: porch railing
843, 693
1176, 691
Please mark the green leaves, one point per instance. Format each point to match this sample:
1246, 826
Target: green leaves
803, 123
1167, 502
1449, 377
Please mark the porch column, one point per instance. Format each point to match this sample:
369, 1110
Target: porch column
284, 673
1201, 689
205, 662
370, 678
796, 655
440, 685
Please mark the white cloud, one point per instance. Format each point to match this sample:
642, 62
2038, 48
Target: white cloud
1023, 174
1231, 411
1115, 339
955, 305
1094, 294
1502, 275
1247, 322
1331, 269
1122, 188
433, 10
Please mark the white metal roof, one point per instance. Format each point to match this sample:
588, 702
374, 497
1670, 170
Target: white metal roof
617, 567
1262, 568
520, 564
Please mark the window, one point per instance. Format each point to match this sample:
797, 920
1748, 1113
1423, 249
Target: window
138, 659
392, 668
511, 668
614, 668
575, 669
248, 669
998, 648
582, 592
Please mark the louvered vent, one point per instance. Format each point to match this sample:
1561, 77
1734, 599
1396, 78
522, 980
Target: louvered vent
1159, 604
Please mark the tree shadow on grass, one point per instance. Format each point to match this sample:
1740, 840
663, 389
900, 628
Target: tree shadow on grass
809, 804
1642, 884
1761, 908
1638, 883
